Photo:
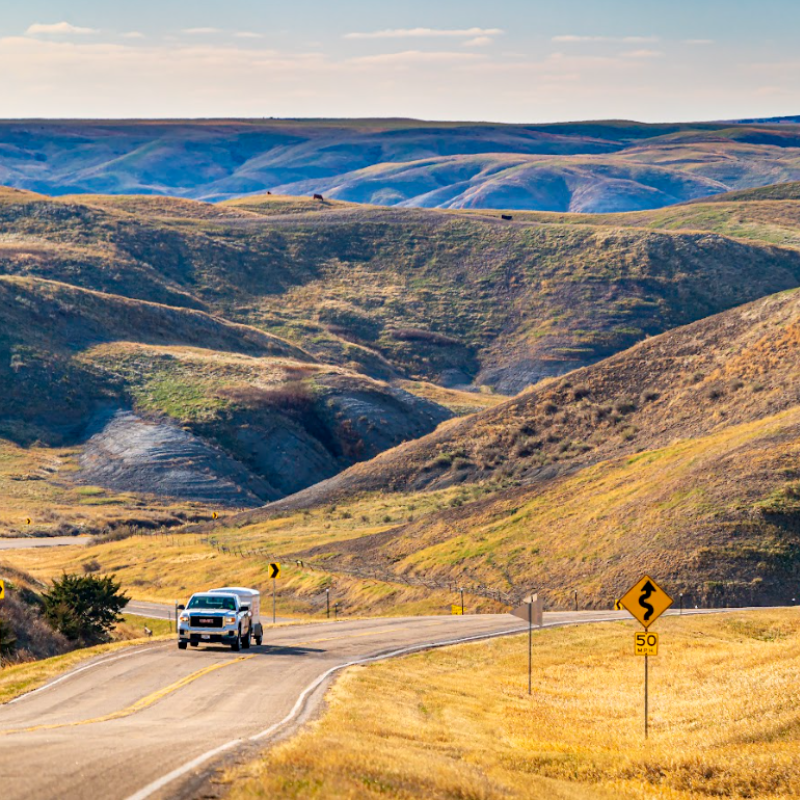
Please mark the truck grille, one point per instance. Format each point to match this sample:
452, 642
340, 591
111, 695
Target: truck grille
199, 621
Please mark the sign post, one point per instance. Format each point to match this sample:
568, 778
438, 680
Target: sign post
274, 571
530, 611
2, 597
646, 601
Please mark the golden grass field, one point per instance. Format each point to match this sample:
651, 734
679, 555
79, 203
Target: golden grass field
458, 723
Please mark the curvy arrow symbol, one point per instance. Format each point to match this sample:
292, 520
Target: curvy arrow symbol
647, 590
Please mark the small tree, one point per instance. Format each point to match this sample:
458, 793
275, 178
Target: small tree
84, 607
8, 641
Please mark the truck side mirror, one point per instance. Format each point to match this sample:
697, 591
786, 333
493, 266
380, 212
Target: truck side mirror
181, 607
244, 608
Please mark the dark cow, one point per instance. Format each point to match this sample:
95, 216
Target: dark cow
318, 197
506, 216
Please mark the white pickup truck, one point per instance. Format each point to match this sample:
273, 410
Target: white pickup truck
230, 615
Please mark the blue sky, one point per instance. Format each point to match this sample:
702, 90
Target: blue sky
510, 60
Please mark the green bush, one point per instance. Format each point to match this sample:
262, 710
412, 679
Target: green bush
84, 608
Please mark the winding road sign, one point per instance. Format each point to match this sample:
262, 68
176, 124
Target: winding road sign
2, 589
274, 570
618, 605
647, 601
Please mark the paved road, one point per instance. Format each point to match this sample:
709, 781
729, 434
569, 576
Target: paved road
150, 721
25, 542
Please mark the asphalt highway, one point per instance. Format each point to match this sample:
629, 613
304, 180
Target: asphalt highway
26, 542
152, 720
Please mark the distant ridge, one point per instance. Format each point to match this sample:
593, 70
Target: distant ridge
593, 166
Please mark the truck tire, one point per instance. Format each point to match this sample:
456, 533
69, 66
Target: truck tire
194, 644
181, 645
259, 639
236, 645
246, 641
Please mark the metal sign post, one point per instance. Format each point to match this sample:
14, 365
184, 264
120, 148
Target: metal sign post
2, 597
646, 697
530, 610
274, 571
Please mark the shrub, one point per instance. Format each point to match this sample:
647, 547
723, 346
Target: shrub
579, 392
84, 608
624, 405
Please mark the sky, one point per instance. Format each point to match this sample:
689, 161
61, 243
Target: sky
507, 61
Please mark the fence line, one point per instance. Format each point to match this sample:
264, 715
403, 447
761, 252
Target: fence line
364, 573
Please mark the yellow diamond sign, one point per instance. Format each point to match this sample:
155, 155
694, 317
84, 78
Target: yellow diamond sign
647, 601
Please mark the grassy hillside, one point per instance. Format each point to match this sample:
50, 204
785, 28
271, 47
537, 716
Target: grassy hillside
590, 166
677, 457
729, 369
396, 293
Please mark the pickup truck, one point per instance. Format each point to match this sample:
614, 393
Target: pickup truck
230, 615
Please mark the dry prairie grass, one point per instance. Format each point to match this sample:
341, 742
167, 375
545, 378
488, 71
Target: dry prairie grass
457, 723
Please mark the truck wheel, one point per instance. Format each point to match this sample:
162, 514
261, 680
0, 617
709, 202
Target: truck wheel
194, 644
246, 641
259, 639
181, 645
236, 645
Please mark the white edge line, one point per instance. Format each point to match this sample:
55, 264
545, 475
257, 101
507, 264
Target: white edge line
176, 773
134, 651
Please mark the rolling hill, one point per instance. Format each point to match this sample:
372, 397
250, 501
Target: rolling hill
678, 457
600, 166
454, 298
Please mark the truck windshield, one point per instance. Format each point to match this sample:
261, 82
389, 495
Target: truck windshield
213, 601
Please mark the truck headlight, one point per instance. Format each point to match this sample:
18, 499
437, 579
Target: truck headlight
184, 618
230, 620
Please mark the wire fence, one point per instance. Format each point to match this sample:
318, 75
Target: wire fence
362, 572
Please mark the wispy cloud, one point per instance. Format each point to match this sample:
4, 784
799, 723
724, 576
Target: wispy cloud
641, 54
409, 33
698, 41
132, 35
414, 57
572, 39
478, 41
248, 35
200, 31
57, 29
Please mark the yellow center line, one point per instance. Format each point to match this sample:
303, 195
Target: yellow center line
139, 705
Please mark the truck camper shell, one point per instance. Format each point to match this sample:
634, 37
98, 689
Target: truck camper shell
250, 598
